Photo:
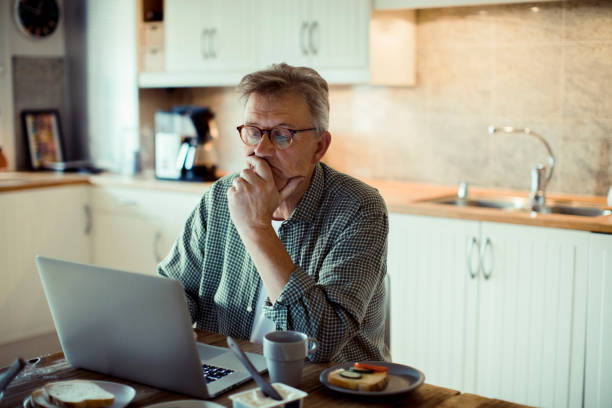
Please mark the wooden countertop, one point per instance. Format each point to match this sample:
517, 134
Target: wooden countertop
400, 196
55, 368
15, 181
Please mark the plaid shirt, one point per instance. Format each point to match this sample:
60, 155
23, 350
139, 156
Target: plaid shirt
337, 237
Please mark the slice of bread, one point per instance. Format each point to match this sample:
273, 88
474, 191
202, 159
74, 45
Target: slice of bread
39, 399
77, 394
375, 381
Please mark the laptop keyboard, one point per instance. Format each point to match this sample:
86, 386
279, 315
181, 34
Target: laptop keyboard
212, 373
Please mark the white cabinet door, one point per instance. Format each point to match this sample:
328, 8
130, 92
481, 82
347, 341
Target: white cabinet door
51, 222
430, 312
187, 25
339, 34
134, 229
124, 242
531, 315
209, 35
232, 39
330, 36
283, 31
598, 372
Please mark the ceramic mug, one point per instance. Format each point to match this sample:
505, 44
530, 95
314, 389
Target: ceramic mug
285, 352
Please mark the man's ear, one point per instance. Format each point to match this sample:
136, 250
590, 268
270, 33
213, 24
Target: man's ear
322, 145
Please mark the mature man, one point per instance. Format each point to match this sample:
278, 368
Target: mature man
288, 243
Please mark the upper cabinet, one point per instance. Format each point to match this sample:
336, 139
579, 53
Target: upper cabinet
216, 42
209, 35
330, 36
208, 42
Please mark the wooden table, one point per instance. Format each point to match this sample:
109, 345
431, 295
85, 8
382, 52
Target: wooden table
54, 368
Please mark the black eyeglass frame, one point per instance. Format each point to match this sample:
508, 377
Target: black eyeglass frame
263, 131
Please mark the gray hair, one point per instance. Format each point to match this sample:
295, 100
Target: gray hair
283, 78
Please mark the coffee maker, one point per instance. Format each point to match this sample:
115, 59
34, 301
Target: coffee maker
185, 144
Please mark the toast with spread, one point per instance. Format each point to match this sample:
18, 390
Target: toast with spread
360, 377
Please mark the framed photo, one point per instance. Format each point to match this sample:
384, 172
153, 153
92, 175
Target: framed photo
42, 131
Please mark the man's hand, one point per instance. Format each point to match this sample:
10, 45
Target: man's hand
253, 196
252, 200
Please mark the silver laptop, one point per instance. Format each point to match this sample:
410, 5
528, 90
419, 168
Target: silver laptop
135, 327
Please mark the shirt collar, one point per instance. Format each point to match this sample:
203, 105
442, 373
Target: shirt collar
307, 207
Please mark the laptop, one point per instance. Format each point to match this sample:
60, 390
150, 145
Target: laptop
136, 327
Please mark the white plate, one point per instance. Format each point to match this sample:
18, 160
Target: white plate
402, 379
124, 394
186, 404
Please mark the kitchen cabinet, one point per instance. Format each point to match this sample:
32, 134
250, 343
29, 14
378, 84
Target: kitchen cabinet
598, 372
52, 222
209, 41
330, 36
427, 266
217, 42
133, 229
494, 309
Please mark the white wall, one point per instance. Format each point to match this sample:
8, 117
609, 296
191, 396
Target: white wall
13, 42
112, 81
6, 112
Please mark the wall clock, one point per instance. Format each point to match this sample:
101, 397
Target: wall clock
37, 18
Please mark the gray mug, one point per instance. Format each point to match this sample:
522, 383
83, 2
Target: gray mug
285, 352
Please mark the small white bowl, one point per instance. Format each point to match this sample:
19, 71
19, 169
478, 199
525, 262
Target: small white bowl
254, 398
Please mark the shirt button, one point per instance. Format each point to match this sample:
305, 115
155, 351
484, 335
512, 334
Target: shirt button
249, 309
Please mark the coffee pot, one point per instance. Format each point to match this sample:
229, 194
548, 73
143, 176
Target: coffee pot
185, 144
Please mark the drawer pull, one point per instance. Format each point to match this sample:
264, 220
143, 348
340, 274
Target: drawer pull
470, 255
488, 245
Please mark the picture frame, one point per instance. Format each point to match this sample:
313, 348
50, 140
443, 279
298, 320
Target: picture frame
43, 134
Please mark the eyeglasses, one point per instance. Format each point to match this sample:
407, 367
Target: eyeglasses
281, 137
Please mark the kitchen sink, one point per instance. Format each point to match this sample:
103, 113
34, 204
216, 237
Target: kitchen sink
584, 211
522, 204
509, 204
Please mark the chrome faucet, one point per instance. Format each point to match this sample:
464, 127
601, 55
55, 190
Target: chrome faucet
539, 178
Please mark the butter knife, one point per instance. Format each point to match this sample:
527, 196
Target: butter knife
265, 386
8, 376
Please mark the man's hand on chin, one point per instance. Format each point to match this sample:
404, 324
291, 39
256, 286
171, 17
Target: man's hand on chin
254, 196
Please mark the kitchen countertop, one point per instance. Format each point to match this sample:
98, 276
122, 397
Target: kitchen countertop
401, 197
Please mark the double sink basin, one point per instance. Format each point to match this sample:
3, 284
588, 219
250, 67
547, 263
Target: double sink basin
565, 207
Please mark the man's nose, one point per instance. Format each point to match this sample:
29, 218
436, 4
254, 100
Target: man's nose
265, 146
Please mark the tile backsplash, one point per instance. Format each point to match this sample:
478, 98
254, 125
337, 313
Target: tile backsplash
546, 66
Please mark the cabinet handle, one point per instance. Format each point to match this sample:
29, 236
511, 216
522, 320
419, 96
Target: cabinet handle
203, 45
488, 245
303, 38
88, 218
470, 251
158, 236
212, 42
313, 26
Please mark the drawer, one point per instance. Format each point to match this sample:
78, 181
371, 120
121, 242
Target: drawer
152, 35
148, 204
152, 60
